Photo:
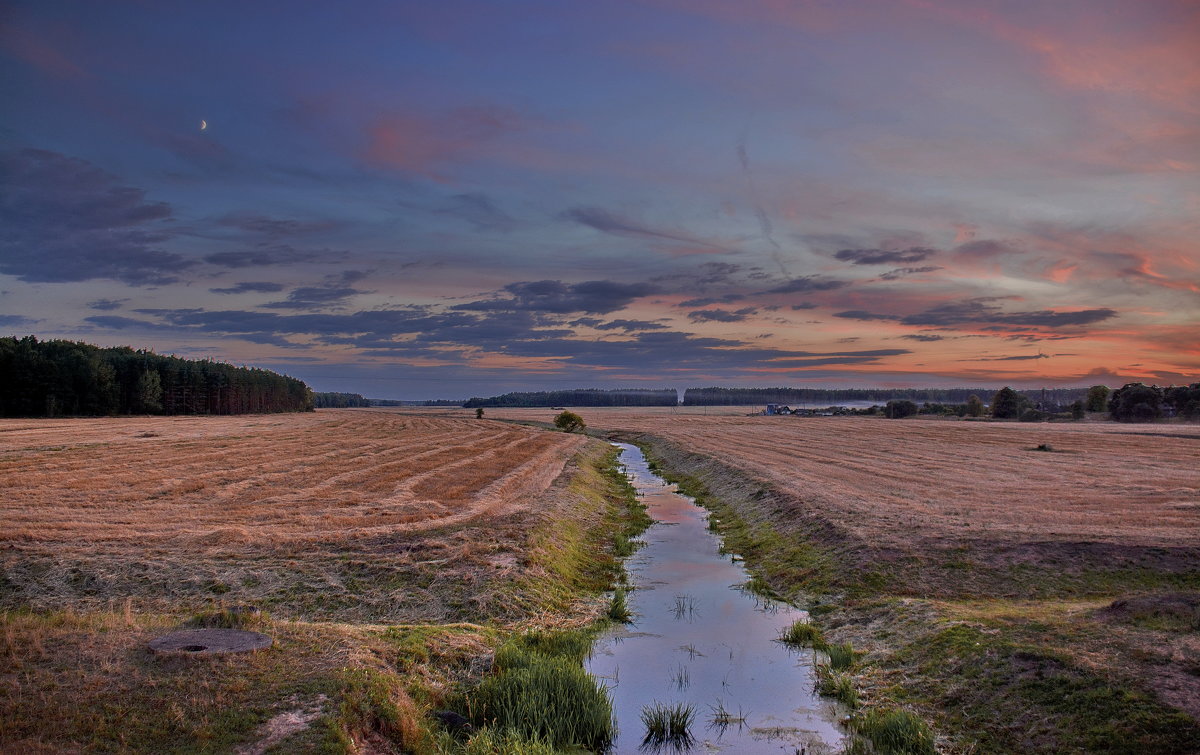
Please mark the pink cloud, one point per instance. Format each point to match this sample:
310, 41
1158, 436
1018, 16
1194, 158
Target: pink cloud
25, 45
428, 144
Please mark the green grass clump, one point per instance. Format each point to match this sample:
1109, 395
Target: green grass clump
668, 725
488, 741
841, 656
618, 608
523, 649
803, 634
542, 693
835, 685
623, 545
894, 731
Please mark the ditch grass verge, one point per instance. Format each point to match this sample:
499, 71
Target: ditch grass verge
988, 674
83, 680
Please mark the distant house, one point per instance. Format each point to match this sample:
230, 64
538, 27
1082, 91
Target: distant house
773, 409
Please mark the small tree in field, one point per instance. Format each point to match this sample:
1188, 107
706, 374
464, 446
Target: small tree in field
974, 406
1097, 398
569, 422
1008, 404
479, 412
900, 409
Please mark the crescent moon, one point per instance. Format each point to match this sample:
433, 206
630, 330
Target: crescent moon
203, 125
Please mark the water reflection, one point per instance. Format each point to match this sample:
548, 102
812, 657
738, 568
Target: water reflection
701, 640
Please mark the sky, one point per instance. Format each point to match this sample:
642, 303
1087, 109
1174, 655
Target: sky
443, 200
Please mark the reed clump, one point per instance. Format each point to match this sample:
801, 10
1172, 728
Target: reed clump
618, 608
804, 635
841, 655
668, 726
893, 730
838, 686
540, 692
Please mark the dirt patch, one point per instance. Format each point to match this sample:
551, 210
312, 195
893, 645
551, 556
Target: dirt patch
283, 725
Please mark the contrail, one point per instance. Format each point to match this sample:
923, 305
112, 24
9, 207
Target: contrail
764, 221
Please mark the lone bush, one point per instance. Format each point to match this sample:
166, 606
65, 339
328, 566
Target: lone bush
974, 406
1136, 402
900, 409
1008, 404
1097, 399
569, 422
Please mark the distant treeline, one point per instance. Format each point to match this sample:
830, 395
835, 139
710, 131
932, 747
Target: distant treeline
56, 378
835, 396
581, 397
333, 400
406, 402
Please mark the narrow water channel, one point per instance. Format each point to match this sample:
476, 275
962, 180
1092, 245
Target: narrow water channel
700, 640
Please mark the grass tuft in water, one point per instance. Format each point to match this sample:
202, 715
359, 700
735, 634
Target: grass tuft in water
841, 656
623, 545
618, 608
684, 608
802, 634
756, 585
721, 718
835, 685
668, 726
894, 731
681, 678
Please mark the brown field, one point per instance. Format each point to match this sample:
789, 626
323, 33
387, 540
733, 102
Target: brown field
348, 514
328, 476
906, 483
388, 551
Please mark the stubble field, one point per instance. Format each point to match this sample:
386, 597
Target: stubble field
386, 552
298, 510
906, 486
